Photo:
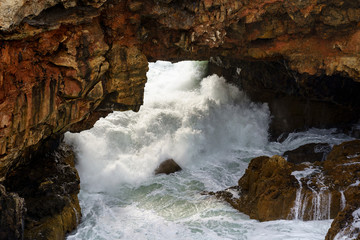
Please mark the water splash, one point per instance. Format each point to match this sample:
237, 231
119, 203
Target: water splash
350, 231
185, 117
212, 130
319, 208
343, 200
300, 204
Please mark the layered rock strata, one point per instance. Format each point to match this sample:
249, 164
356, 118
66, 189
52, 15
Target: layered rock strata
65, 61
273, 188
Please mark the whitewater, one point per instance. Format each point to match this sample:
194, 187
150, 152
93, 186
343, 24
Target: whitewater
212, 130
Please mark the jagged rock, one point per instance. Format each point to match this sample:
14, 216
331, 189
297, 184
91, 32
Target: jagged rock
63, 60
345, 224
273, 188
311, 152
12, 213
48, 184
267, 189
65, 63
167, 167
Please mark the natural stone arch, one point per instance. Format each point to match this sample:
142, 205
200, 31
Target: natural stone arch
66, 63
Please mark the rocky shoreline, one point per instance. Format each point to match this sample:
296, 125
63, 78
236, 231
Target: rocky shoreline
64, 64
273, 188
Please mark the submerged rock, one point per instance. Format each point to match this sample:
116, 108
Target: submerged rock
167, 167
311, 152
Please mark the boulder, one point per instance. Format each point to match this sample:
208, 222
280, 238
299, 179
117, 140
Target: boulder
311, 152
167, 167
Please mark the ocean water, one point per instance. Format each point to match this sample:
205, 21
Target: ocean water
212, 130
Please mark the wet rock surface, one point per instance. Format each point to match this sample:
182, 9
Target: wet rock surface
66, 63
63, 62
311, 152
273, 188
168, 166
48, 185
266, 191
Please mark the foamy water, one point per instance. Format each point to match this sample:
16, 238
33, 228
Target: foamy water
211, 130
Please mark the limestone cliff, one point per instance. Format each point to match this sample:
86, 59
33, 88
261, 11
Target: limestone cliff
65, 63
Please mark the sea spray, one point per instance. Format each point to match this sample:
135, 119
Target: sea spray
212, 130
185, 117
342, 200
320, 204
300, 204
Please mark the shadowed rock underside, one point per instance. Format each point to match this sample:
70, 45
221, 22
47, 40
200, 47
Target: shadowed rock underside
65, 63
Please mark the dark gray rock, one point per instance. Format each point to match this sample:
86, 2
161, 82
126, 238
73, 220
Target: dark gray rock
167, 167
12, 213
311, 152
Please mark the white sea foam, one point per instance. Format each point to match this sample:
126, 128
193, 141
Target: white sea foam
351, 231
182, 118
212, 130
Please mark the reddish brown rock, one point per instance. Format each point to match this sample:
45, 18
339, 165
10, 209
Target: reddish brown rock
267, 189
62, 61
65, 63
273, 188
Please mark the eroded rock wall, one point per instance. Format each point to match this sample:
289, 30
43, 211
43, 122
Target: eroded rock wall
65, 63
62, 61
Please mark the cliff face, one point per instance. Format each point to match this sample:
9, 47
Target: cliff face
65, 63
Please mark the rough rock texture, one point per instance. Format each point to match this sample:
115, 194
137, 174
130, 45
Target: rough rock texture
53, 79
65, 63
346, 152
311, 152
12, 211
47, 185
267, 189
342, 226
167, 167
273, 188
